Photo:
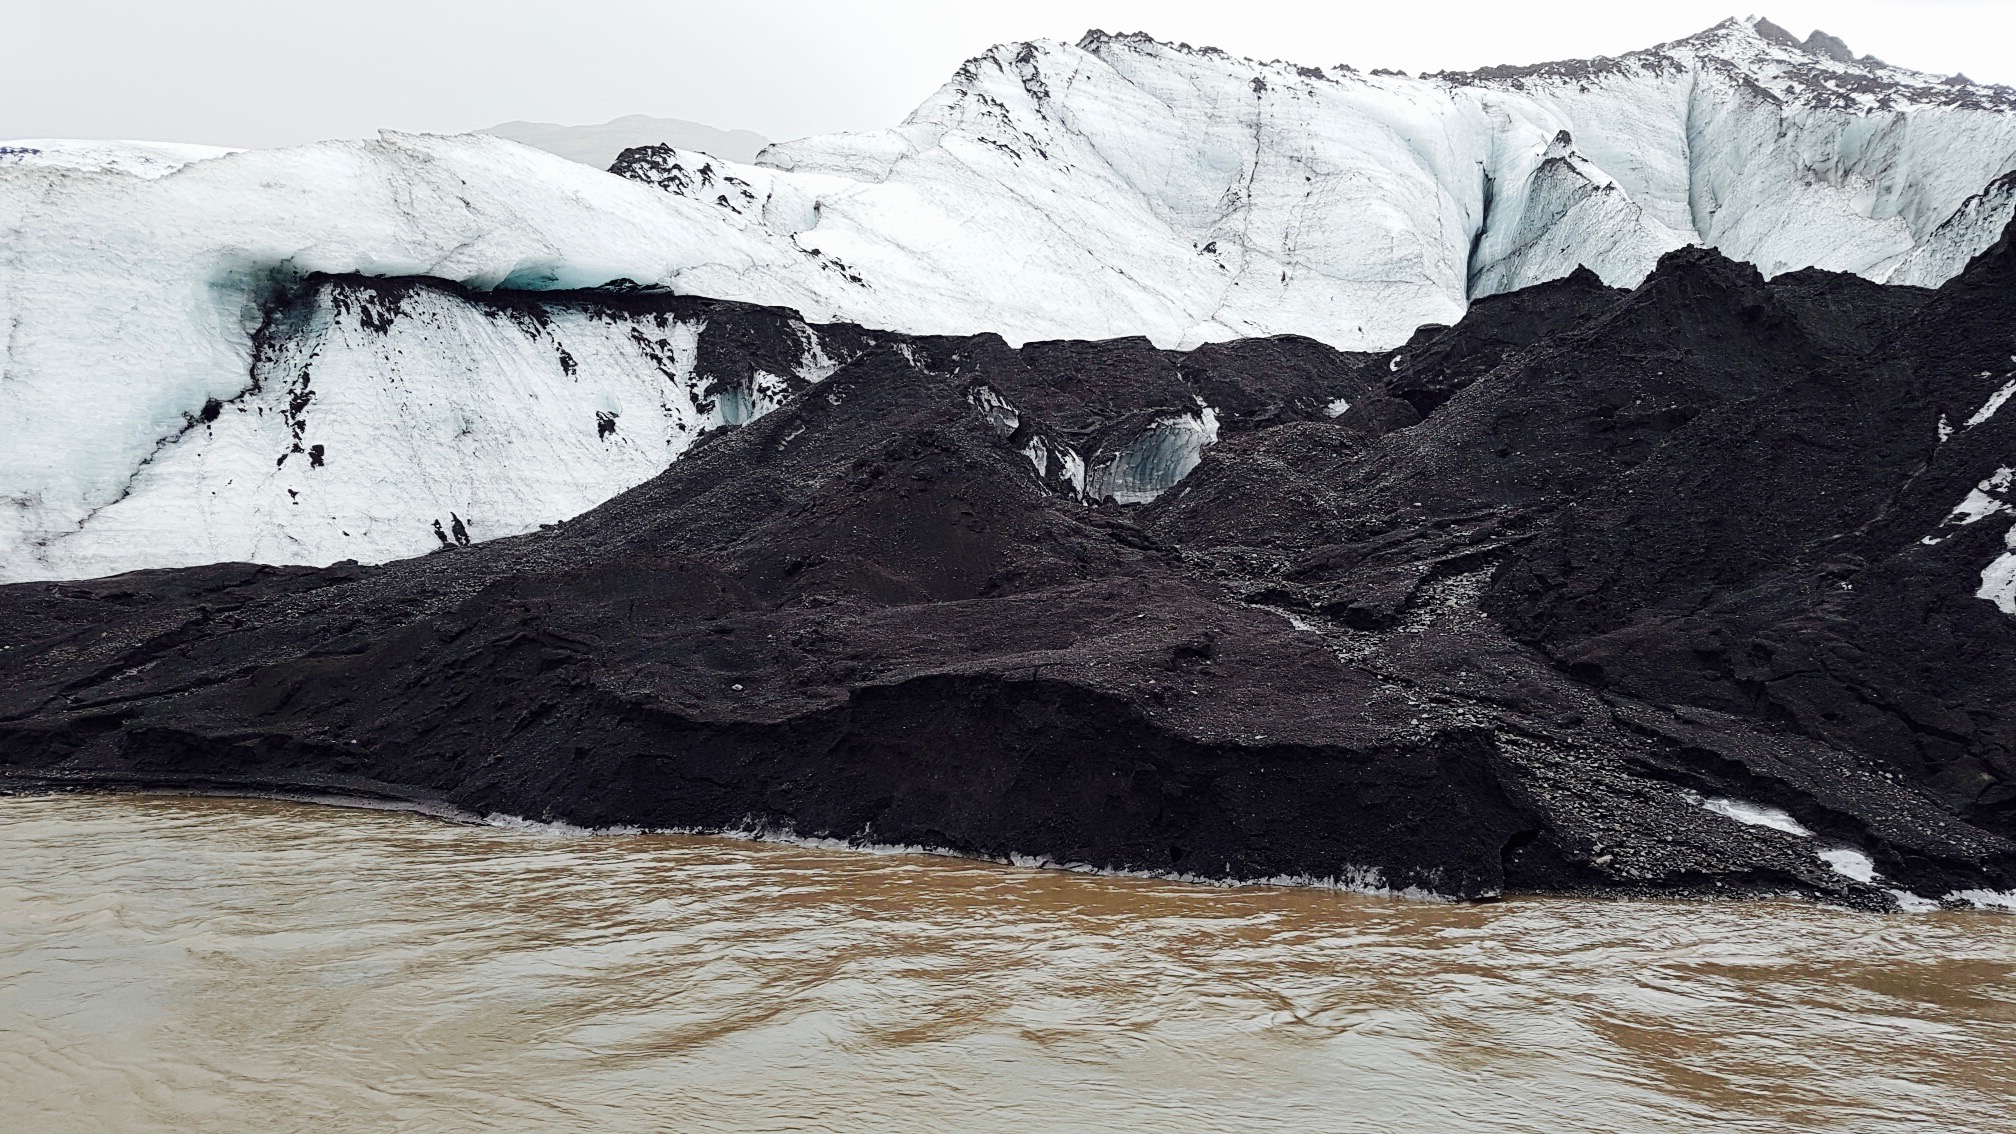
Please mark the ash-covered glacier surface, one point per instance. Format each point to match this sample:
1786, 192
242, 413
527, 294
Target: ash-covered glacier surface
1115, 187
1673, 590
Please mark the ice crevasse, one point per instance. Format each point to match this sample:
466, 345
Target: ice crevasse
153, 394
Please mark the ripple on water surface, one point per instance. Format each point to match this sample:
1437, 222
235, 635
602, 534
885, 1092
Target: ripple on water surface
173, 963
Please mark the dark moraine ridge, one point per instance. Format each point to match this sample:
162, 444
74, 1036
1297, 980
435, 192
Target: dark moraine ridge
1560, 574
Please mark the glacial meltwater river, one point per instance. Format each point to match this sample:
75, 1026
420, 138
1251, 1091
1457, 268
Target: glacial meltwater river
172, 964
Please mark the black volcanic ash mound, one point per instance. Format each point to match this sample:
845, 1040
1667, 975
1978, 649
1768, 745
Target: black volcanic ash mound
1558, 576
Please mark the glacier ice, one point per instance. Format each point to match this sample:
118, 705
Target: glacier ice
134, 302
1118, 186
1132, 461
382, 419
1154, 461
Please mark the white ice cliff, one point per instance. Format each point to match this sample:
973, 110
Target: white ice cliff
382, 419
1118, 186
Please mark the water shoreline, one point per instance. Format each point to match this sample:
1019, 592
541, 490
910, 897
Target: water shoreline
245, 965
440, 810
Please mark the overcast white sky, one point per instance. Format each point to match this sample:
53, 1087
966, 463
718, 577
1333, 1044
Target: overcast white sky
274, 72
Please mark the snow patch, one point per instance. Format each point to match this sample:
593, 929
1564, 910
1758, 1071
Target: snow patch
1908, 902
1998, 578
2003, 900
1756, 815
1985, 499
1851, 864
1995, 402
138, 159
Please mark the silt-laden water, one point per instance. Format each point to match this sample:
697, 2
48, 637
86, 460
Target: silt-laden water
246, 965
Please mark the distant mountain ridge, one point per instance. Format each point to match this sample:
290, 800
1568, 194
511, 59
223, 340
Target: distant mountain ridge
598, 145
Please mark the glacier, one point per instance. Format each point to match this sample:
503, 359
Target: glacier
1114, 187
1598, 590
385, 417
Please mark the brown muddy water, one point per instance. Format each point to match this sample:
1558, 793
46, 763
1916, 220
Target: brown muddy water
246, 965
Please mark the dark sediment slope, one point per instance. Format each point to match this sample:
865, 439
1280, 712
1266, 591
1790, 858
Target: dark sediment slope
1559, 575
